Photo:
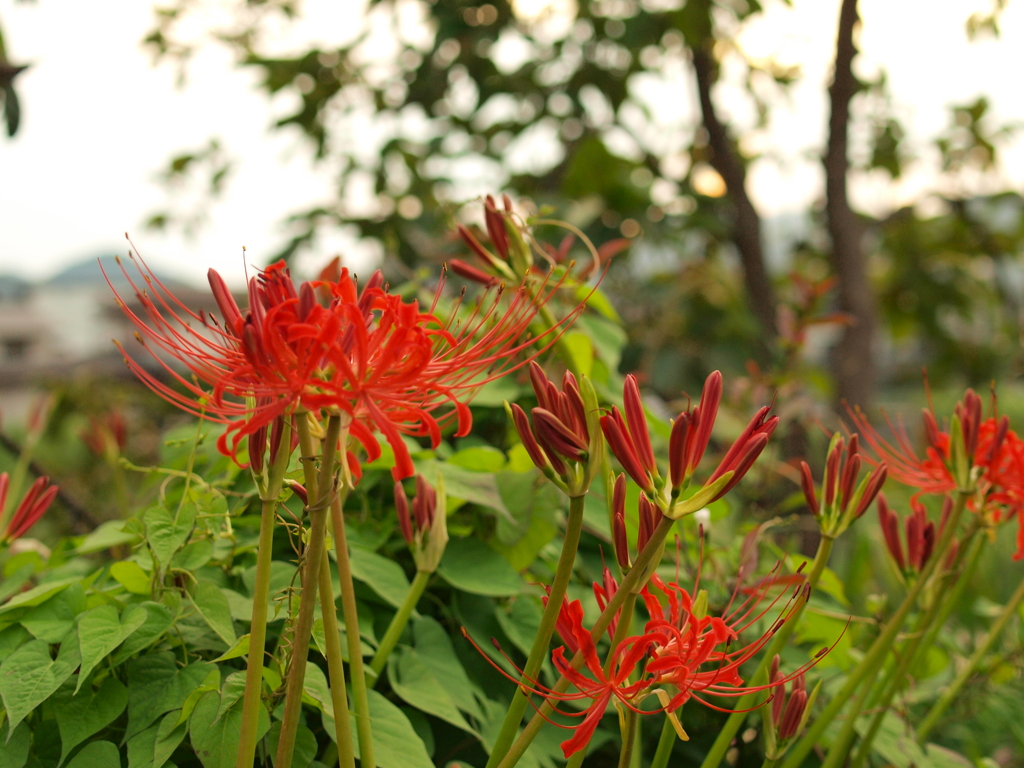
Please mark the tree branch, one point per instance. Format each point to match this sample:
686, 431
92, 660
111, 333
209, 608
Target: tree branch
854, 355
747, 225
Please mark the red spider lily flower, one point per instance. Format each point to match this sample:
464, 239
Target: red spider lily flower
692, 431
995, 452
681, 647
32, 507
387, 364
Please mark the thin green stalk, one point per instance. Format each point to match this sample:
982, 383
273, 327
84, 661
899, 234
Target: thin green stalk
577, 759
251, 702
360, 696
760, 677
335, 668
399, 622
310, 579
882, 695
628, 739
769, 762
844, 742
542, 641
973, 558
631, 584
665, 744
940, 706
878, 650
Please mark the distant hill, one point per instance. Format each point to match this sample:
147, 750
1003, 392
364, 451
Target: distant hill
88, 272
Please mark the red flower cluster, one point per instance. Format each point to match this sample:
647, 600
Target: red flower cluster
921, 534
32, 507
326, 345
994, 452
681, 649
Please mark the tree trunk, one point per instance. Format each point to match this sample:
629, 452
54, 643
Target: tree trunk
853, 358
747, 225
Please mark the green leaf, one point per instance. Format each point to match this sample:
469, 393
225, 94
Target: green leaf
479, 458
233, 690
53, 620
520, 621
472, 566
475, 487
213, 607
14, 751
305, 745
81, 715
193, 555
158, 620
131, 576
165, 534
829, 583
100, 631
239, 649
216, 741
581, 349
609, 338
412, 679
432, 642
29, 676
38, 595
98, 754
155, 745
210, 683
107, 535
383, 576
395, 742
157, 685
315, 687
10, 639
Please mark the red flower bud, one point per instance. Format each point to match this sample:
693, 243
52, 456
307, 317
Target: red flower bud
543, 388
553, 432
257, 447
522, 425
744, 463
832, 464
623, 449
495, 222
576, 406
807, 485
32, 507
850, 472
469, 272
794, 713
299, 490
891, 531
710, 399
931, 429
226, 302
402, 509
871, 490
636, 421
648, 514
757, 425
619, 540
677, 450
475, 246
915, 525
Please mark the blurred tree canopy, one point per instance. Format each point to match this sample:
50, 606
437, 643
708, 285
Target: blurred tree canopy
609, 113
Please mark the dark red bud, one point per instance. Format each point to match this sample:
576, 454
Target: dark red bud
710, 399
745, 462
927, 542
554, 433
794, 713
307, 300
619, 495
915, 524
647, 521
732, 457
931, 428
496, 227
402, 508
636, 421
475, 246
577, 407
624, 451
807, 486
522, 425
850, 472
469, 272
300, 490
832, 473
257, 447
540, 384
871, 490
677, 450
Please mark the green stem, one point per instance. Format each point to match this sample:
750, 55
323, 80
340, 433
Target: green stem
631, 584
732, 724
310, 579
841, 746
399, 622
360, 696
665, 744
251, 702
953, 691
882, 695
542, 641
335, 668
878, 650
952, 600
577, 759
628, 739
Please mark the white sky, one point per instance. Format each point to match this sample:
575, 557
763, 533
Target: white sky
99, 122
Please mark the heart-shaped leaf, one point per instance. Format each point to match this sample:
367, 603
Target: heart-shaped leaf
216, 739
29, 676
99, 754
81, 715
213, 607
100, 631
167, 533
